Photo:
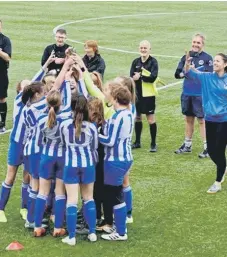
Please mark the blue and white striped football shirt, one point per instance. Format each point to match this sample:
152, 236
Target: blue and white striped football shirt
31, 113
79, 150
117, 136
53, 145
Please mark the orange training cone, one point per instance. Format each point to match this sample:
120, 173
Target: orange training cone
14, 246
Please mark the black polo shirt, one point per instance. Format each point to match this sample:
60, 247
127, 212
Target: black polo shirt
6, 47
59, 52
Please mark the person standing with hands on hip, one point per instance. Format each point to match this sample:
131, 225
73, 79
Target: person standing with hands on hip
214, 97
5, 57
144, 71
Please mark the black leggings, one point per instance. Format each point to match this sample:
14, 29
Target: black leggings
113, 195
216, 134
99, 182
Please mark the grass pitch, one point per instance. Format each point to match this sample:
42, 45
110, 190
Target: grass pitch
173, 215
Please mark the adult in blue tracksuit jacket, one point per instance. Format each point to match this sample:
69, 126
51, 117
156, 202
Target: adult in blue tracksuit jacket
214, 98
191, 99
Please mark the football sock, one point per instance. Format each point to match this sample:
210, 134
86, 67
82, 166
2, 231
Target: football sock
128, 199
90, 215
4, 195
120, 214
60, 203
71, 219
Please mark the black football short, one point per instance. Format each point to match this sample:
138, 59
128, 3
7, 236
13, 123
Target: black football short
192, 106
145, 105
4, 83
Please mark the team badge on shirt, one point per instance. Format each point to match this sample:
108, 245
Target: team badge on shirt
201, 62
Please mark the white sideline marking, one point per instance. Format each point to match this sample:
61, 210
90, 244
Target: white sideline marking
169, 85
130, 15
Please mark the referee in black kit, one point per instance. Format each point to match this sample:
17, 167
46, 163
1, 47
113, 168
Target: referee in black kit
59, 49
5, 56
144, 71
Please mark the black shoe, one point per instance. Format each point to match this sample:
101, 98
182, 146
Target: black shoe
136, 145
153, 148
80, 216
204, 154
83, 230
184, 149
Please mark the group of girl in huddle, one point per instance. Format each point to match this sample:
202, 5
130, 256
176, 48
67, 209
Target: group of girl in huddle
61, 127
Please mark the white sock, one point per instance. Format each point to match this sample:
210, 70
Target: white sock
205, 145
188, 142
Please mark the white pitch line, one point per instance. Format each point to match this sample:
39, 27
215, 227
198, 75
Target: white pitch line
125, 51
170, 85
125, 16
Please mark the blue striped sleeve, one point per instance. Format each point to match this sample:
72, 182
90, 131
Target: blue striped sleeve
113, 132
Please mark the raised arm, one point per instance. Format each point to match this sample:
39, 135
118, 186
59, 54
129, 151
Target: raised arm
93, 90
113, 132
61, 76
42, 72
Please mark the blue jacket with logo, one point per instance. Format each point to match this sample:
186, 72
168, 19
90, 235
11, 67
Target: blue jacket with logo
203, 62
214, 94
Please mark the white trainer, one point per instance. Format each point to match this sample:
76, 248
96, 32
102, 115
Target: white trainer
69, 241
92, 237
24, 213
114, 237
129, 220
109, 229
2, 216
32, 225
214, 189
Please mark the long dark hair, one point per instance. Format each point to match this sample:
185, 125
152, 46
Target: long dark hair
54, 102
224, 58
30, 90
80, 113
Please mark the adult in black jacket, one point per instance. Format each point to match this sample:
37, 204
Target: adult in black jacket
5, 56
59, 50
144, 71
93, 60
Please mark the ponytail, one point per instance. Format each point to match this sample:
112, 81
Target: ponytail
78, 123
54, 102
27, 94
80, 112
51, 118
30, 90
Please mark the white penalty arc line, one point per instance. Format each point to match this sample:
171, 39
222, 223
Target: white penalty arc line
125, 16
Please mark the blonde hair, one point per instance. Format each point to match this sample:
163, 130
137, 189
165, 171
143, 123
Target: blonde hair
95, 110
145, 42
119, 93
202, 36
130, 84
97, 79
54, 102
